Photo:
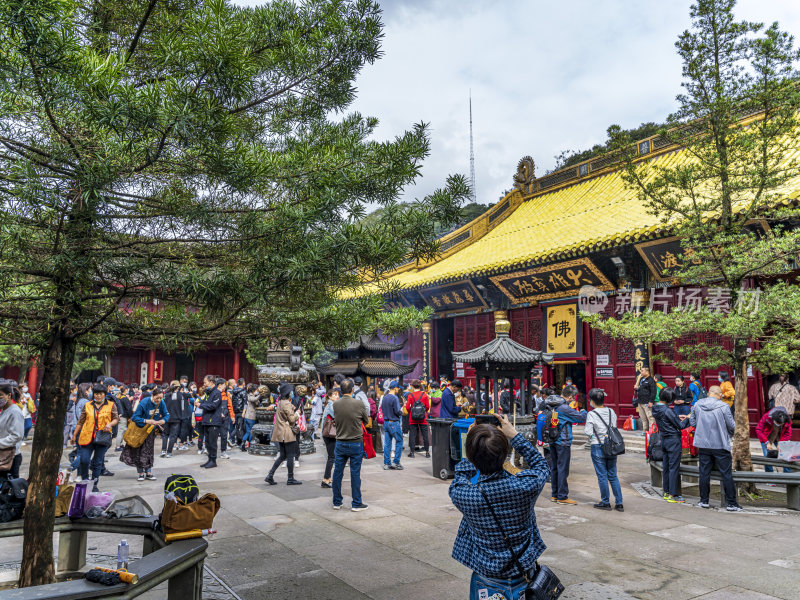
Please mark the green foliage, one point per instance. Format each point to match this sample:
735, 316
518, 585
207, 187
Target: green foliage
181, 173
568, 158
86, 363
467, 213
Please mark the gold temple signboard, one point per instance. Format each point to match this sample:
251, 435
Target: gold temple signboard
563, 333
552, 281
665, 256
453, 297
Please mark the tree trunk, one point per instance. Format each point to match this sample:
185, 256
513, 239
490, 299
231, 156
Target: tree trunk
37, 546
742, 460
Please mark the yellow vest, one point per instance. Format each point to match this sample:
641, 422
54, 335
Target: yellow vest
95, 421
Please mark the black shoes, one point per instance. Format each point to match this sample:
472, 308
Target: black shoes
427, 455
325, 485
209, 465
270, 480
293, 481
619, 507
602, 506
410, 455
106, 473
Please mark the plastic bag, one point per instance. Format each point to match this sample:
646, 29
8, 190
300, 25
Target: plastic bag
789, 451
133, 506
628, 424
101, 500
301, 422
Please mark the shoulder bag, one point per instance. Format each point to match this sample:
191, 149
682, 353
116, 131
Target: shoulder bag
101, 436
613, 445
540, 583
329, 427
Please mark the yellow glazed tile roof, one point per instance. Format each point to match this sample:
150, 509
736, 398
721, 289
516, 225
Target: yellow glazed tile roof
590, 214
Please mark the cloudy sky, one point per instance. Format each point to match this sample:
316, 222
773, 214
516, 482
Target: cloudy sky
545, 76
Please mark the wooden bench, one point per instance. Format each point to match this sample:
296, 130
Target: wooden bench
790, 480
180, 563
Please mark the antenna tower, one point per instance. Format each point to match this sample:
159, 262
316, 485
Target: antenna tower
471, 154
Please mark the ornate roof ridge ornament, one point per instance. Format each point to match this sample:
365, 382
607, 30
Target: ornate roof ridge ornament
525, 177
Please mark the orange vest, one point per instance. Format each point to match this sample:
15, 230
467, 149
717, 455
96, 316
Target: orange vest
95, 421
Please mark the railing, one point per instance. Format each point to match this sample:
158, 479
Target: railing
179, 563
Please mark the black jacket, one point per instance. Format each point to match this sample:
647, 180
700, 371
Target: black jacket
669, 425
124, 407
683, 393
646, 393
238, 400
214, 408
177, 406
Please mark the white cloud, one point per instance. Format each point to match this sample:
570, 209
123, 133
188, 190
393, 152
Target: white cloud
544, 76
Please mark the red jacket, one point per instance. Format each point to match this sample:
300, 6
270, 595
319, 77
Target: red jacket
766, 425
423, 397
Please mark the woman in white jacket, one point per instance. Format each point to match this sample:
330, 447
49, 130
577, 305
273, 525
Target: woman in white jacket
12, 428
597, 424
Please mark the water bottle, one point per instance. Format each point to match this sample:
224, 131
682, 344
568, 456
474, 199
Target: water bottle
122, 555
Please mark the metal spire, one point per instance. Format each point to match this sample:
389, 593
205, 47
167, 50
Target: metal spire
471, 153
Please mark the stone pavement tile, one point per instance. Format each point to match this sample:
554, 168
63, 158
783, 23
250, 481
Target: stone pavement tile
305, 530
248, 506
394, 529
229, 525
269, 523
595, 591
254, 558
444, 587
292, 493
635, 574
735, 593
368, 565
435, 552
316, 584
749, 568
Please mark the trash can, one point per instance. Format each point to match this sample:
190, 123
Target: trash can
442, 462
459, 437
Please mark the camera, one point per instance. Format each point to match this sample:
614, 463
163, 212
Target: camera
487, 419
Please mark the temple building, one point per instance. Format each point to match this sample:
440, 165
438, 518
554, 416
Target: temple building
531, 255
370, 357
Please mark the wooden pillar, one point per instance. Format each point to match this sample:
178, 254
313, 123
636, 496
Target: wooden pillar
33, 377
427, 350
236, 366
151, 365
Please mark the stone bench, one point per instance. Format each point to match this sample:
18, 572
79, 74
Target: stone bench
180, 563
790, 480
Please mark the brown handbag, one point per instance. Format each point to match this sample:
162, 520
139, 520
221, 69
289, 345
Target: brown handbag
7, 458
329, 428
63, 499
178, 517
134, 435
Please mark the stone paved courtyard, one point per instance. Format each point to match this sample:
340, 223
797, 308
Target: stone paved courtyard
286, 542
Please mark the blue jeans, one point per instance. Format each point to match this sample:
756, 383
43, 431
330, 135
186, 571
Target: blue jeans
768, 468
559, 470
28, 427
606, 469
353, 451
248, 425
681, 409
85, 455
481, 587
392, 430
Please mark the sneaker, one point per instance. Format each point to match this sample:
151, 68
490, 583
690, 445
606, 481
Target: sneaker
619, 507
293, 481
361, 507
667, 496
398, 467
325, 485
118, 449
163, 453
270, 480
670, 498
150, 477
168, 455
566, 501
678, 499
410, 455
337, 507
141, 477
388, 468
199, 452
107, 473
427, 455
224, 455
553, 499
602, 506
96, 490
24, 443
703, 504
734, 508
183, 447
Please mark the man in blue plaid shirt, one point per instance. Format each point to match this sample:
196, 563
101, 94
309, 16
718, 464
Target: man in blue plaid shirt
479, 544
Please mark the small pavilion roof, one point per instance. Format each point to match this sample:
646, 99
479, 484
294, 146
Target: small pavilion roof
375, 367
370, 342
502, 350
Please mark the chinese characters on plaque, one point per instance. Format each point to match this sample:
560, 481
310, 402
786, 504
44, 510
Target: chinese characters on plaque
553, 281
564, 330
453, 297
664, 257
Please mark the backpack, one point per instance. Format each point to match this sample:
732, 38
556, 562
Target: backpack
417, 412
653, 448
547, 429
613, 445
183, 486
702, 392
13, 493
